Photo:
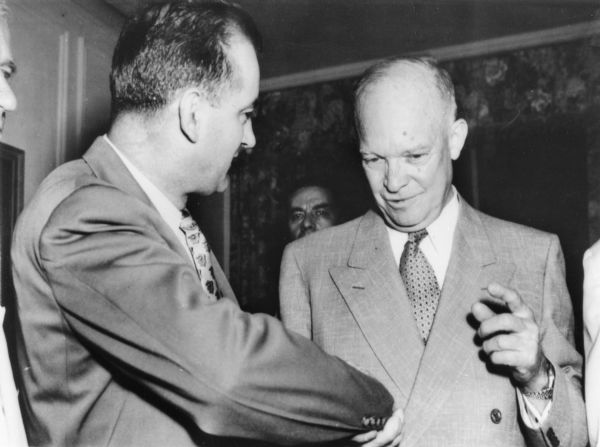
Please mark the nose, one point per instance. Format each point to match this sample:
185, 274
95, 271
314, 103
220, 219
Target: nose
308, 221
8, 100
395, 176
248, 139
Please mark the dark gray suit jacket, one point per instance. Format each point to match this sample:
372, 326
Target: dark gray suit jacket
120, 347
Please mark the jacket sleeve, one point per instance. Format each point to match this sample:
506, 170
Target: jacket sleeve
566, 421
294, 302
139, 306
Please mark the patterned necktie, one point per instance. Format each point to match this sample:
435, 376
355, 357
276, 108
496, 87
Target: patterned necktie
420, 281
200, 250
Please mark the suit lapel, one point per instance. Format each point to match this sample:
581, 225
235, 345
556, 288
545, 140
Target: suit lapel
107, 166
449, 349
373, 290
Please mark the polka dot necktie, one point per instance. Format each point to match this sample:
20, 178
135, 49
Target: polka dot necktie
420, 281
200, 250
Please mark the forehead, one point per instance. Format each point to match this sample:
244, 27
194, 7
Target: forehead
406, 105
246, 71
310, 195
5, 52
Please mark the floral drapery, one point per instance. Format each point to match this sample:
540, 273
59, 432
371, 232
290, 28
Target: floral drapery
309, 130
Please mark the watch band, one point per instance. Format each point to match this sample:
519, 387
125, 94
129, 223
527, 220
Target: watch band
547, 392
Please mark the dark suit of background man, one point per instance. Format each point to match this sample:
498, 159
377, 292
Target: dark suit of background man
468, 324
122, 343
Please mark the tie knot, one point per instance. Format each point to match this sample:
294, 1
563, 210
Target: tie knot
187, 222
417, 236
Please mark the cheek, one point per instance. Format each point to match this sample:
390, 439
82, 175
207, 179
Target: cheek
375, 179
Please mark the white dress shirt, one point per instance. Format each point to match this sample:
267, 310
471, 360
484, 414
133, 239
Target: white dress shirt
12, 432
168, 211
437, 248
591, 340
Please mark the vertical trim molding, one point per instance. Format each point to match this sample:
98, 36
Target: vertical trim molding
226, 230
81, 73
62, 98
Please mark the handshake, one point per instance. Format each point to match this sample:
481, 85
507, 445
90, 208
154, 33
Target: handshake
389, 435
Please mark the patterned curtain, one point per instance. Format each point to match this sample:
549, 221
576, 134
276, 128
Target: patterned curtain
309, 130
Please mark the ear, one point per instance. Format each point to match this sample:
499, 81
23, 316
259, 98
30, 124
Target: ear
457, 137
192, 109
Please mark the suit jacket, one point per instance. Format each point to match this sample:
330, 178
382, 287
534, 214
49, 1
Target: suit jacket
341, 287
120, 347
591, 340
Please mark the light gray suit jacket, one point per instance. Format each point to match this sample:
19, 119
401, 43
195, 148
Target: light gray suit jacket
341, 288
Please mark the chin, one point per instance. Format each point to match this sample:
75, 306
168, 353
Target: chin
403, 223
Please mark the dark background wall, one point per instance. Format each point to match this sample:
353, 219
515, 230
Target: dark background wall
530, 157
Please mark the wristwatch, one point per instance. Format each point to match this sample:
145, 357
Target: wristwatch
547, 392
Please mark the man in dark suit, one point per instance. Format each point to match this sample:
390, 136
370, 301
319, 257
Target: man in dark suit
465, 318
131, 334
312, 206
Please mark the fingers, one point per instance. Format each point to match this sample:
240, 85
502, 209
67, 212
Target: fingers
503, 342
499, 324
514, 359
391, 432
509, 338
482, 312
511, 298
362, 438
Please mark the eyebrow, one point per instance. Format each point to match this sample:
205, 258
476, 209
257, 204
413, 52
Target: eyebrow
322, 205
296, 208
319, 205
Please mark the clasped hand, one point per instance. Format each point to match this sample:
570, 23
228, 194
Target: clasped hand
388, 436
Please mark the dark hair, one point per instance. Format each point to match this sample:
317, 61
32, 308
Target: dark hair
173, 46
384, 70
318, 182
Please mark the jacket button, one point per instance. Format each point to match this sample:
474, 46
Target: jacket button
496, 416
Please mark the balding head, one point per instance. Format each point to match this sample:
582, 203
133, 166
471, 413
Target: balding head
402, 76
409, 136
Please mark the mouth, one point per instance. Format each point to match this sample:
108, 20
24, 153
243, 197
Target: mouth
398, 203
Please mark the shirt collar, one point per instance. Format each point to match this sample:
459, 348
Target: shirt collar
165, 207
440, 231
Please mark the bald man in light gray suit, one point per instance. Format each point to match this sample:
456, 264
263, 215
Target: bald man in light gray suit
481, 356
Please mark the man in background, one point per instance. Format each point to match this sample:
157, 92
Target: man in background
465, 318
11, 425
312, 206
131, 334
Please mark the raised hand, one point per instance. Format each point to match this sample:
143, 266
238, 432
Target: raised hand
512, 338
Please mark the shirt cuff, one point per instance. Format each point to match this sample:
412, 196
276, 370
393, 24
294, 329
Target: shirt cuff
530, 415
